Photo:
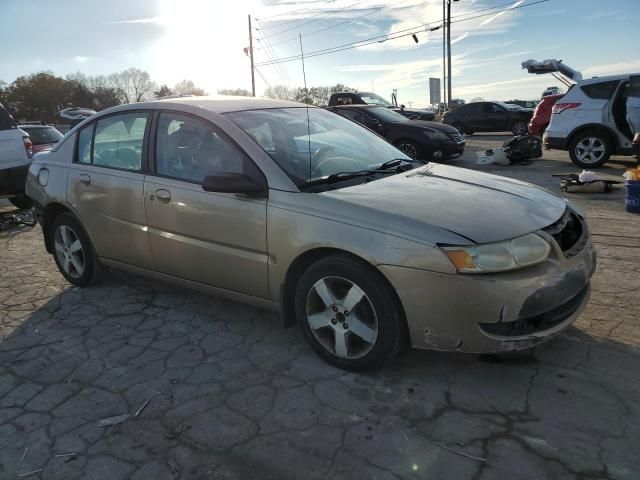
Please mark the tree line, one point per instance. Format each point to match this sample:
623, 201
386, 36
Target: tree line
40, 96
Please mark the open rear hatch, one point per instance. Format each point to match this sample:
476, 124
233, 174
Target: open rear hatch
559, 70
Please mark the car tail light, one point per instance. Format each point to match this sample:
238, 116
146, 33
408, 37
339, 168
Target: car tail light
28, 146
561, 107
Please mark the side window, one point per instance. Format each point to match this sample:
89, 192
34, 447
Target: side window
85, 144
602, 90
352, 115
344, 101
190, 149
118, 141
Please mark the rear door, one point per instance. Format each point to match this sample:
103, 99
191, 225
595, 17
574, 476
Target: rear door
106, 186
218, 239
596, 107
495, 118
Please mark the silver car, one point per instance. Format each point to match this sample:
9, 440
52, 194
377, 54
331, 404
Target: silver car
299, 210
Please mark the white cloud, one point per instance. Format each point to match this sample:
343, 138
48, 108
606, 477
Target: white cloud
612, 69
81, 59
499, 14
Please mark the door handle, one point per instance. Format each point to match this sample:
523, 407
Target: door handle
85, 179
163, 195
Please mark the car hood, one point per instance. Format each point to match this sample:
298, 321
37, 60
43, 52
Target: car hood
480, 207
441, 127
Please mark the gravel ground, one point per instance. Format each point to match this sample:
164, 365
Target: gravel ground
219, 390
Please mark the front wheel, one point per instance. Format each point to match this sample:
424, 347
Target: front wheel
22, 201
589, 149
349, 314
73, 252
407, 147
519, 128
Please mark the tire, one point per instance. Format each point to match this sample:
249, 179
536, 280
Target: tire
73, 251
462, 129
590, 149
519, 128
376, 315
408, 147
22, 202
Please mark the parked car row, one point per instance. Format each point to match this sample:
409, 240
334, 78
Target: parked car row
297, 209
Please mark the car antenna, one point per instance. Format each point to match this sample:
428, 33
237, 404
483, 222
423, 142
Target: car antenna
306, 101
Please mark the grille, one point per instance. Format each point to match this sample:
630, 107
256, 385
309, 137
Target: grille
537, 323
457, 137
568, 232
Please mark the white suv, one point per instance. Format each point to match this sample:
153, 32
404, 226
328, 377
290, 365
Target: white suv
16, 151
590, 120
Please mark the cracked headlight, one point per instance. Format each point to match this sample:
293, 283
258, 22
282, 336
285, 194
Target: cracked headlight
500, 256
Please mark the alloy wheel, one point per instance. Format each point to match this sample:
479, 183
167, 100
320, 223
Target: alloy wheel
408, 150
69, 251
341, 317
590, 150
519, 128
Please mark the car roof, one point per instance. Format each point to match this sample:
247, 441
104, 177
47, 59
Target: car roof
588, 81
28, 125
359, 105
217, 104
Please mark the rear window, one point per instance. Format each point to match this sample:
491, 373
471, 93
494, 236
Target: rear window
602, 90
6, 120
42, 136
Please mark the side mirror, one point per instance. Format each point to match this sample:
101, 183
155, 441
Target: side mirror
234, 183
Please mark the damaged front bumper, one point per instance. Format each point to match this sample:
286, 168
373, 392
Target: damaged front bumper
495, 312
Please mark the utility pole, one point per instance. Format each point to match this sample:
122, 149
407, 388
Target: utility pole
449, 48
444, 53
253, 78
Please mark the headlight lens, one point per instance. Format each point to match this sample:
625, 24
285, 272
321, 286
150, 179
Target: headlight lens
435, 134
500, 256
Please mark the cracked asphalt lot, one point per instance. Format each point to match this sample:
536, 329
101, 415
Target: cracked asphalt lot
219, 390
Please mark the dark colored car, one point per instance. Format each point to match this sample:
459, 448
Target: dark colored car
488, 117
416, 138
368, 98
542, 114
43, 137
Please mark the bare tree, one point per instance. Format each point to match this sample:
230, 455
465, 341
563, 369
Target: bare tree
187, 87
235, 92
132, 85
477, 99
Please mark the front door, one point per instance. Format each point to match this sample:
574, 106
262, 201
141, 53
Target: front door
106, 187
218, 239
495, 118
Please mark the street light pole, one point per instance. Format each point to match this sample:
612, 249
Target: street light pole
444, 54
253, 78
449, 49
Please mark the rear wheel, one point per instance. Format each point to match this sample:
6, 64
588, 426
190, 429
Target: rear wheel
462, 129
21, 202
590, 149
349, 315
73, 252
519, 127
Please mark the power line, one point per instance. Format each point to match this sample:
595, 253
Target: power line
333, 12
270, 52
394, 35
379, 9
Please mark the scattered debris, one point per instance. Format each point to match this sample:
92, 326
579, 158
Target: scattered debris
520, 149
17, 217
28, 474
72, 454
24, 454
458, 452
142, 407
106, 422
587, 182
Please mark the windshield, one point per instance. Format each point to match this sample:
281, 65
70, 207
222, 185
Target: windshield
42, 135
335, 144
373, 99
386, 115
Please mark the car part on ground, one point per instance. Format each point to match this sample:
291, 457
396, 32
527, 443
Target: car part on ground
17, 218
344, 229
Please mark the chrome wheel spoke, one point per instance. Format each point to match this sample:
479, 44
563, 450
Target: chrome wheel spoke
59, 247
319, 320
323, 292
66, 265
353, 297
75, 246
64, 233
77, 264
341, 346
362, 330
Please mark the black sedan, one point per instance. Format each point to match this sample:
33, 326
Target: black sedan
417, 138
489, 117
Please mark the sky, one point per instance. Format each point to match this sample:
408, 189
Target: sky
204, 41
